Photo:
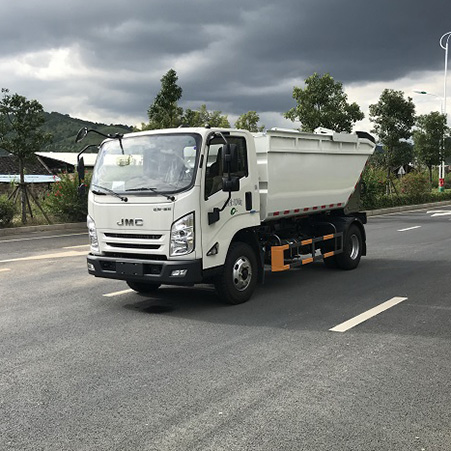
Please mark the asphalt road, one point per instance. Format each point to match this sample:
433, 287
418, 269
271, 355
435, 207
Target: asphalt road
178, 370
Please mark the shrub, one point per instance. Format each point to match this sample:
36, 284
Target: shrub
411, 189
374, 183
64, 202
7, 211
448, 181
415, 184
394, 200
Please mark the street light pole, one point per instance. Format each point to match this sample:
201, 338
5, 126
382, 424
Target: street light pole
441, 166
432, 95
444, 45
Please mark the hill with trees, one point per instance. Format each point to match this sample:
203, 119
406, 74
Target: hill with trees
64, 128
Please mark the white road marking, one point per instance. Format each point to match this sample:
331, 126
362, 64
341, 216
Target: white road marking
443, 213
5, 269
409, 228
118, 293
41, 237
343, 327
439, 213
77, 247
45, 256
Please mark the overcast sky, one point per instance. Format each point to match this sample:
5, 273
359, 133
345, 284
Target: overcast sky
102, 60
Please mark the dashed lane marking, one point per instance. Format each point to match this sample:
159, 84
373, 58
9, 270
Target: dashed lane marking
118, 293
409, 228
343, 327
5, 269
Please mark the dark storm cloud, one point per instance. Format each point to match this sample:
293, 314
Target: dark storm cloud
234, 56
356, 40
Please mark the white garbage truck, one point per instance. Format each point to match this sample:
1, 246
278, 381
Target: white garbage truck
187, 206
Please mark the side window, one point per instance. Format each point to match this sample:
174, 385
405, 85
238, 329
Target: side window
214, 169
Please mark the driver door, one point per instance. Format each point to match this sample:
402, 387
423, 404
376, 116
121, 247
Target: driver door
217, 236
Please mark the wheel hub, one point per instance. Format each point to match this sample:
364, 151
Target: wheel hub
355, 247
242, 273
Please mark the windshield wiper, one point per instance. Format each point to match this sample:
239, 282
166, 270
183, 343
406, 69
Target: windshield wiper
109, 191
154, 190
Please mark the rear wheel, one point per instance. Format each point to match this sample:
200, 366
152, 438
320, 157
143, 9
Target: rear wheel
238, 280
143, 287
352, 249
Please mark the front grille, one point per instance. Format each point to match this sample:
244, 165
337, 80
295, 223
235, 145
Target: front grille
134, 246
130, 245
132, 236
135, 256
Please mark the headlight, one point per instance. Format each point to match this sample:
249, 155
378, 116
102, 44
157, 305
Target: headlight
182, 236
93, 235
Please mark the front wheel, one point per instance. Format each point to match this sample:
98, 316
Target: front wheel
239, 277
143, 287
352, 249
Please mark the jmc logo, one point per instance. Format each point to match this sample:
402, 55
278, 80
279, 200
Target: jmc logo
138, 222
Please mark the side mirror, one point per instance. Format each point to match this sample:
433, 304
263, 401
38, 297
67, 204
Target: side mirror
81, 177
230, 184
81, 134
230, 157
213, 216
81, 169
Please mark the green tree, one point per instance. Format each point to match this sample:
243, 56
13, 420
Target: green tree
429, 140
201, 117
323, 103
164, 111
393, 117
249, 121
21, 135
191, 118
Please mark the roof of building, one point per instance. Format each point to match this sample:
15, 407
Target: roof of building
43, 168
69, 157
9, 164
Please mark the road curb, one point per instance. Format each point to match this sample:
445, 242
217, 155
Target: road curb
386, 211
69, 227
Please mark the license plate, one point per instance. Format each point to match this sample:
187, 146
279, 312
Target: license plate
129, 269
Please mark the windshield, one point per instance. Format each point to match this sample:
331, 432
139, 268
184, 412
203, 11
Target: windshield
148, 163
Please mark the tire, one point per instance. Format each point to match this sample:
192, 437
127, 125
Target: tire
352, 249
143, 287
239, 277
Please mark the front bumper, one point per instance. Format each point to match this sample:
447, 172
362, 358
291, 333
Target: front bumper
177, 272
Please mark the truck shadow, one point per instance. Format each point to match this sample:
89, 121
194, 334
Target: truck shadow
310, 298
169, 299
279, 291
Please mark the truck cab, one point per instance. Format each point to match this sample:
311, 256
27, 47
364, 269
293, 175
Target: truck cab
159, 211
